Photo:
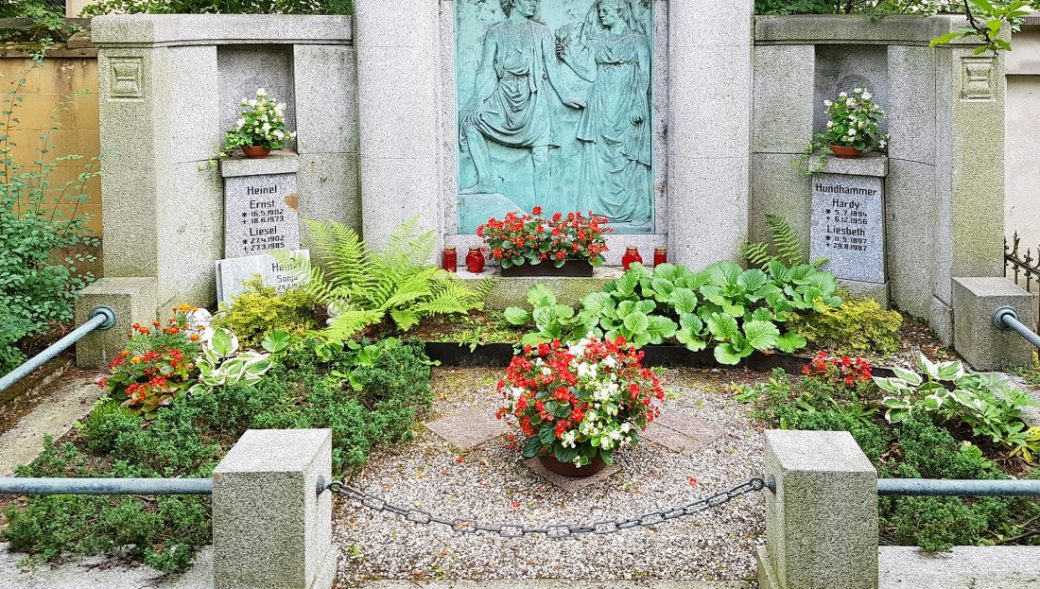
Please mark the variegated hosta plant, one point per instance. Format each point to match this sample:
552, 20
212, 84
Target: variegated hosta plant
988, 404
222, 364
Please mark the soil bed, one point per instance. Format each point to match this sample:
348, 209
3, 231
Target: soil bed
490, 484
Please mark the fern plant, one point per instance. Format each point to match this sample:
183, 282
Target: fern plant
362, 287
784, 246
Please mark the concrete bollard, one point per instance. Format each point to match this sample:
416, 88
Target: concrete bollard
822, 518
271, 528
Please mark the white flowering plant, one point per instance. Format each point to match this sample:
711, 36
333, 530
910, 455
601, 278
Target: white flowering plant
261, 123
582, 401
854, 121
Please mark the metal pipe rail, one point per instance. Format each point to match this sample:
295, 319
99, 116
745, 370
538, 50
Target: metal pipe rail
86, 486
100, 318
1006, 318
958, 488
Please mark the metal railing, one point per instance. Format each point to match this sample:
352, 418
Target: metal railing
100, 318
84, 486
1023, 268
1006, 318
950, 487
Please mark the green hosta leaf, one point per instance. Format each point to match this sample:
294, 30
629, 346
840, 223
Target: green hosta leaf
951, 371
660, 329
222, 342
689, 333
761, 314
645, 306
625, 286
761, 335
276, 341
908, 376
663, 287
636, 323
752, 280
517, 316
790, 342
541, 296
683, 300
598, 303
723, 273
723, 327
726, 354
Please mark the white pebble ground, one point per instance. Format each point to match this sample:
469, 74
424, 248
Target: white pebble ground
491, 485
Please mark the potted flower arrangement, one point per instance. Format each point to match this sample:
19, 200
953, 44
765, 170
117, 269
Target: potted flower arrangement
259, 129
531, 245
578, 405
852, 127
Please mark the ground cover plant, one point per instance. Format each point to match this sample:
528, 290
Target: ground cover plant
178, 398
734, 310
42, 234
838, 393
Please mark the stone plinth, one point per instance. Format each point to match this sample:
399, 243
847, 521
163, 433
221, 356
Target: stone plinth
132, 300
982, 344
271, 528
822, 519
512, 292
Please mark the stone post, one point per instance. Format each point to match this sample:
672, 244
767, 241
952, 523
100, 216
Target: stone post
709, 129
976, 338
969, 156
271, 527
132, 300
399, 112
822, 518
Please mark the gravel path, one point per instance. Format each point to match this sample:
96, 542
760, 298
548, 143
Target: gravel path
490, 484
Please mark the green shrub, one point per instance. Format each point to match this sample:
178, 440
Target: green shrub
106, 422
39, 268
858, 326
261, 309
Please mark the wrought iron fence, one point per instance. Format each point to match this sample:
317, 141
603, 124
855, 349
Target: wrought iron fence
1023, 268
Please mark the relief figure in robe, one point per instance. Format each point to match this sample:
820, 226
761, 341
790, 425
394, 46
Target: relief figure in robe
519, 72
612, 52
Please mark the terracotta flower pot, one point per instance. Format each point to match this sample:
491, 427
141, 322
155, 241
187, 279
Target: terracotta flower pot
568, 469
256, 152
845, 152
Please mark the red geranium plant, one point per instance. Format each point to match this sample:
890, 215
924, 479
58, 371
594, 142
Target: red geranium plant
533, 239
582, 401
156, 365
840, 371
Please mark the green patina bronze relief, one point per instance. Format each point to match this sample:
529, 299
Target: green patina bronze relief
554, 109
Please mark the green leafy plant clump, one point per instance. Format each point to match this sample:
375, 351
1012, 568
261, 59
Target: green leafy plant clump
735, 310
261, 310
367, 394
858, 326
44, 247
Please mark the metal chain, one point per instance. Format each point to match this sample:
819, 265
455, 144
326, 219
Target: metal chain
469, 526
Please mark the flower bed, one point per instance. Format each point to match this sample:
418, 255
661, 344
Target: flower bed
531, 240
941, 423
178, 398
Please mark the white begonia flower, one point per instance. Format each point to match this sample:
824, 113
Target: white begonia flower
843, 95
867, 96
615, 435
827, 103
606, 443
252, 102
240, 123
852, 103
261, 92
857, 90
852, 132
546, 371
830, 124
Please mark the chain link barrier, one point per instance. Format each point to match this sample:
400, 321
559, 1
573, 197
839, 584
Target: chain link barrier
471, 526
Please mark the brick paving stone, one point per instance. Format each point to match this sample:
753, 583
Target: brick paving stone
469, 429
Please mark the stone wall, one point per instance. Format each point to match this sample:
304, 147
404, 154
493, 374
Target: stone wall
169, 89
945, 110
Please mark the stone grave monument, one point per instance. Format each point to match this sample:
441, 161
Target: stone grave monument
261, 214
848, 223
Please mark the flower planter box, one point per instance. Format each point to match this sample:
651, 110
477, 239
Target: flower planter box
498, 355
570, 269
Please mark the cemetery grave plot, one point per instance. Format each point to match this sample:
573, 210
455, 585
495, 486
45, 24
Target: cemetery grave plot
717, 447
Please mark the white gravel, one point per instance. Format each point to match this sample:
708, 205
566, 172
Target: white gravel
491, 485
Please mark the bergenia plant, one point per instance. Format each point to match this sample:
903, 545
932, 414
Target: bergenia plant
533, 239
261, 123
580, 402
